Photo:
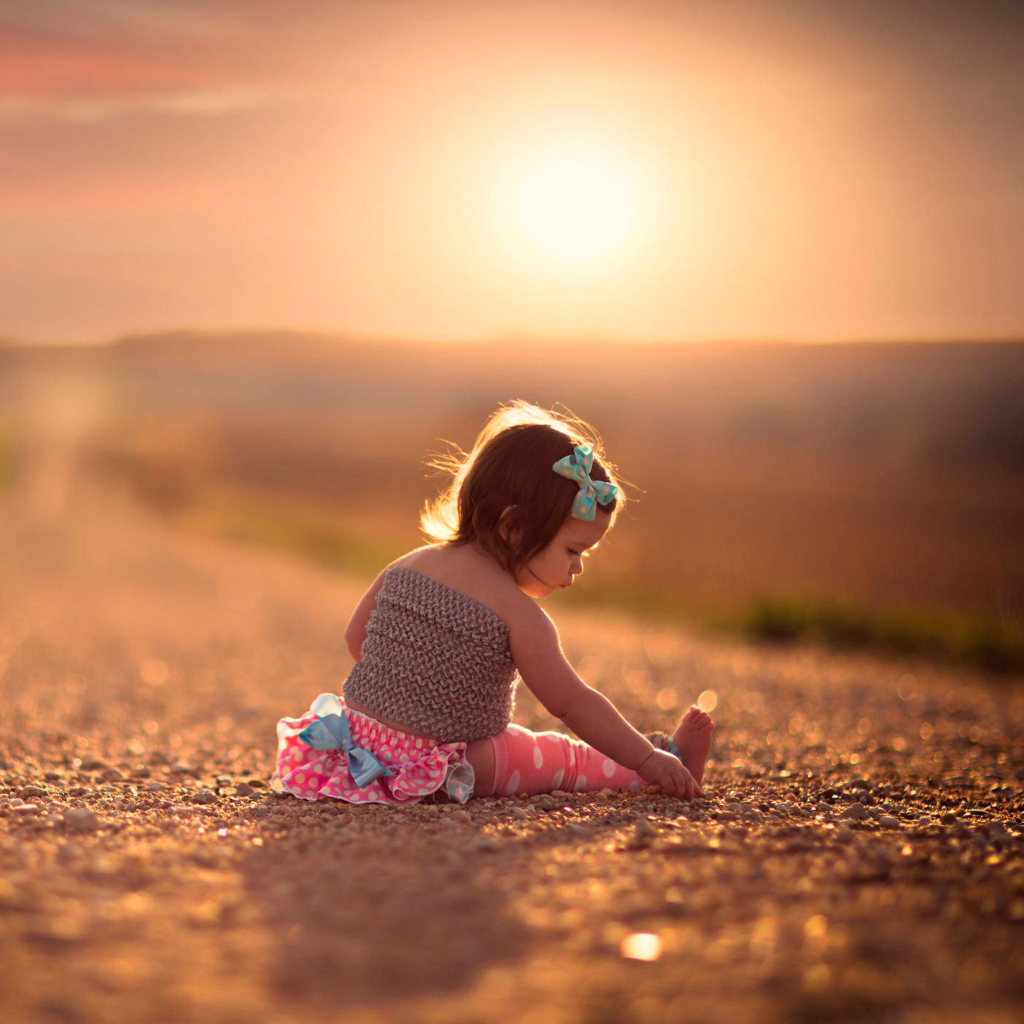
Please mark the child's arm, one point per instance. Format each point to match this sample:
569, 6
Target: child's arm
553, 681
355, 631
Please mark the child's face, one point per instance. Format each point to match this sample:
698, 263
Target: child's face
562, 560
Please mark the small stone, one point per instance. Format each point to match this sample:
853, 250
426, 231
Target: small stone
52, 776
26, 809
519, 813
81, 819
181, 768
29, 791
462, 817
156, 785
644, 829
203, 796
781, 808
888, 821
244, 789
112, 775
856, 811
93, 764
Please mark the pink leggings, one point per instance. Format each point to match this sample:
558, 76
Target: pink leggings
539, 762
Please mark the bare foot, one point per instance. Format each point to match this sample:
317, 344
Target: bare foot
693, 738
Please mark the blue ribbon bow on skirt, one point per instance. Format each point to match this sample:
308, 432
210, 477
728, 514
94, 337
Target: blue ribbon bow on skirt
331, 731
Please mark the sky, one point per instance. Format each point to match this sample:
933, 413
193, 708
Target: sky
640, 170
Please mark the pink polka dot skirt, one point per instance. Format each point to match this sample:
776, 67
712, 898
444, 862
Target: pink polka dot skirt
419, 766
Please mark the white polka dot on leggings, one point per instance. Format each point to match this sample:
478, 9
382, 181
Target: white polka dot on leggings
608, 767
581, 783
557, 780
538, 757
513, 783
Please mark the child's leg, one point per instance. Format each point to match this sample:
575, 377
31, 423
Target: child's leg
539, 762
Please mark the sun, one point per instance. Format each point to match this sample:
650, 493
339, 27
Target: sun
576, 206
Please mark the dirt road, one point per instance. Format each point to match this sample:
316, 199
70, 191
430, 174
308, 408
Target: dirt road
859, 853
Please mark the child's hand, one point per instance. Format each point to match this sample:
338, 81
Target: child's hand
668, 772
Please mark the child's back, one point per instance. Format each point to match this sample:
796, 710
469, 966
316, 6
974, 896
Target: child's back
433, 647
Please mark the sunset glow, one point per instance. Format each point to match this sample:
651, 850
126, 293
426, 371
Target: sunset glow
574, 207
449, 170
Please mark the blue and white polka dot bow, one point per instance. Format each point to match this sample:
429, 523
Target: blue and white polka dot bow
332, 732
577, 467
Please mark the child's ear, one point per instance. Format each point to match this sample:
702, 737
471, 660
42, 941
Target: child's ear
508, 531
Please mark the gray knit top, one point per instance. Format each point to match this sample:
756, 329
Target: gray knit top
434, 659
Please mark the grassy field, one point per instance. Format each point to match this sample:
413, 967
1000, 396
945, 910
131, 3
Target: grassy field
862, 495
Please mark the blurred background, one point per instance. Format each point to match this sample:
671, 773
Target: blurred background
261, 260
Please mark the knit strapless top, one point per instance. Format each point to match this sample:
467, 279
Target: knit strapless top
434, 659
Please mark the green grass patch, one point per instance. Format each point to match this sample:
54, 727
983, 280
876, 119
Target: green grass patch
315, 536
929, 633
967, 640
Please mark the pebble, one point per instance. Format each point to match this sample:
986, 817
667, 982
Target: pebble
156, 784
462, 817
644, 829
30, 791
888, 821
781, 808
518, 812
26, 809
856, 811
81, 819
244, 789
203, 796
112, 775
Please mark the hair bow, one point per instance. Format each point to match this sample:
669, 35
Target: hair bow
577, 467
332, 732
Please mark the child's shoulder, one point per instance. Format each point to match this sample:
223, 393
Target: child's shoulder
481, 578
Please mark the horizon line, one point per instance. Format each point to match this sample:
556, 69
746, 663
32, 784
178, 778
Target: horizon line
522, 337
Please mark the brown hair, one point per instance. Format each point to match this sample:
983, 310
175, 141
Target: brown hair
510, 466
